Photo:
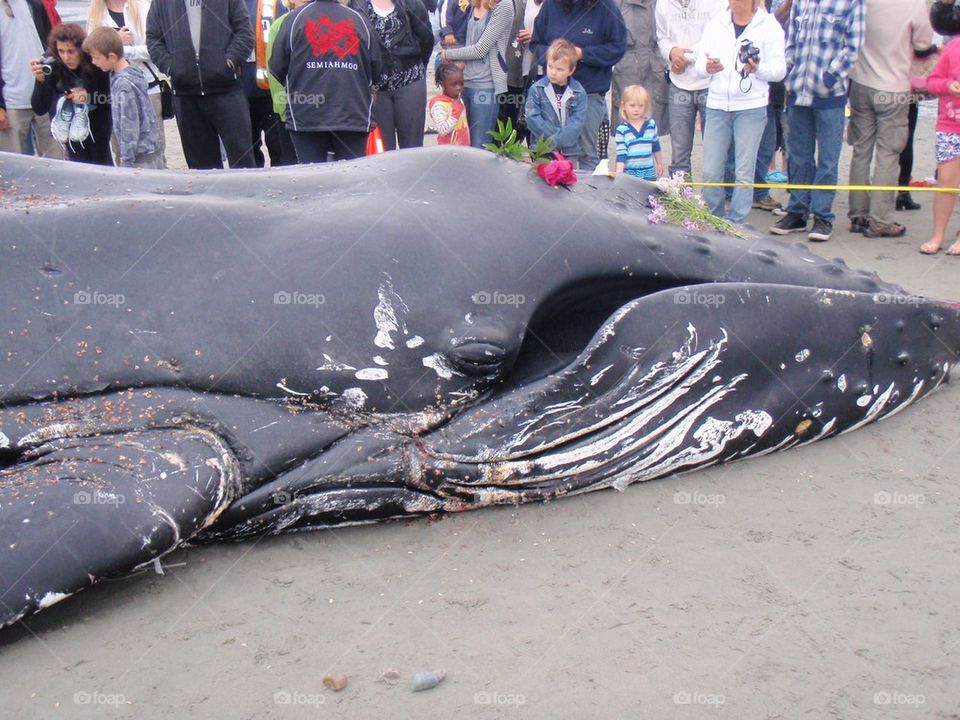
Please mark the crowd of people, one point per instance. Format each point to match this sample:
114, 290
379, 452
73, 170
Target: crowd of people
302, 81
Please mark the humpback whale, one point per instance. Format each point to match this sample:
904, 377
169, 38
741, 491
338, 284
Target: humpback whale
196, 357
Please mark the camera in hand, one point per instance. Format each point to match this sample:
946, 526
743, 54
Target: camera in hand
49, 64
748, 52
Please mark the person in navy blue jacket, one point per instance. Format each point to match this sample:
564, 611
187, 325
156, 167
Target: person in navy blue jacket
596, 29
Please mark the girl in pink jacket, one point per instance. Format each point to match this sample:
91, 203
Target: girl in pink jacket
945, 82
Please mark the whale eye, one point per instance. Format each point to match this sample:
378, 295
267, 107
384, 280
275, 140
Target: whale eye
477, 358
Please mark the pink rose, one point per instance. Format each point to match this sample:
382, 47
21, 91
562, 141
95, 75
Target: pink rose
558, 172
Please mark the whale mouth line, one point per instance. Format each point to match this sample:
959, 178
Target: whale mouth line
634, 401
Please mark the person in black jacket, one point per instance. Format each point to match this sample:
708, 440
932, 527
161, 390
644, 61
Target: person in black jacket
25, 28
406, 42
204, 69
75, 77
327, 57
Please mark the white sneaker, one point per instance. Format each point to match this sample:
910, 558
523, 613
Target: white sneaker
62, 118
80, 127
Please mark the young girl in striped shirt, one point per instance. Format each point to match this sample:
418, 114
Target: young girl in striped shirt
638, 142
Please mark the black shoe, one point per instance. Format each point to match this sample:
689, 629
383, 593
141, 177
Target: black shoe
858, 223
905, 202
821, 231
791, 222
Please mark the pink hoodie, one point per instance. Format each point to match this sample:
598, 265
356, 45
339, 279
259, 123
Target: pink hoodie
945, 72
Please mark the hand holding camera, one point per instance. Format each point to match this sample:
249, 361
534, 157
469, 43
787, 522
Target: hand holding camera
44, 66
749, 57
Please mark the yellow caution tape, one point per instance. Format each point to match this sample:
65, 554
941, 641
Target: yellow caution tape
791, 186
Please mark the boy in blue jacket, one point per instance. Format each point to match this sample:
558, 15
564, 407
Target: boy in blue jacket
556, 104
597, 31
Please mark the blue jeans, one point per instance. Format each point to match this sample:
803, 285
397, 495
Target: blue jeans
596, 114
819, 129
482, 108
684, 107
742, 129
768, 146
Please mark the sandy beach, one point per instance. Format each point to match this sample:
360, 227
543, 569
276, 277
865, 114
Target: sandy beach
818, 583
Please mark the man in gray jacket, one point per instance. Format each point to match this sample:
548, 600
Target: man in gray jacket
201, 45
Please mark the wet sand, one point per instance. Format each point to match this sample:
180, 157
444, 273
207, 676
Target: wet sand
821, 582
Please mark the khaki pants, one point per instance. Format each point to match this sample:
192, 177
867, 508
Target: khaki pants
878, 133
14, 139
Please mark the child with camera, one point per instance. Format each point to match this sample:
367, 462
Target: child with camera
76, 94
742, 51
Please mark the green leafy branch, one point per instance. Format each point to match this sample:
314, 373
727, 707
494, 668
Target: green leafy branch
506, 143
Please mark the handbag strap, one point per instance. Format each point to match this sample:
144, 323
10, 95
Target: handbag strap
156, 78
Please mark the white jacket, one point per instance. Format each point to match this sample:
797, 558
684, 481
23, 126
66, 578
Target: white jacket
681, 25
726, 92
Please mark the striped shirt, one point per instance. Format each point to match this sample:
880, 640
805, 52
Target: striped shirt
636, 148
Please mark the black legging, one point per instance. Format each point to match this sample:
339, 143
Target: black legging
399, 115
906, 157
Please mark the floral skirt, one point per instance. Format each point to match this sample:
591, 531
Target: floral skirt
948, 147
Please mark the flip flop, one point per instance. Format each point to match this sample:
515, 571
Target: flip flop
926, 252
953, 249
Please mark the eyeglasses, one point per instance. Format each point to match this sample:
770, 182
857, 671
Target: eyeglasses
7, 9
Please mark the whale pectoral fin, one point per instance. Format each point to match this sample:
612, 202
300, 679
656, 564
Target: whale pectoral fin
75, 510
368, 476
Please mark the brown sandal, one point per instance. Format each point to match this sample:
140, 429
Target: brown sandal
875, 229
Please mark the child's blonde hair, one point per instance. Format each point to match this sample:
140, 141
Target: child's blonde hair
562, 49
635, 93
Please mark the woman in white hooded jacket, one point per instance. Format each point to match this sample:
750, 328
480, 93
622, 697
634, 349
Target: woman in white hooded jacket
129, 18
737, 96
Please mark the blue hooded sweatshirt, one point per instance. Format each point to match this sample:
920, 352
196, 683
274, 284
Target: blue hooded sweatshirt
599, 31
